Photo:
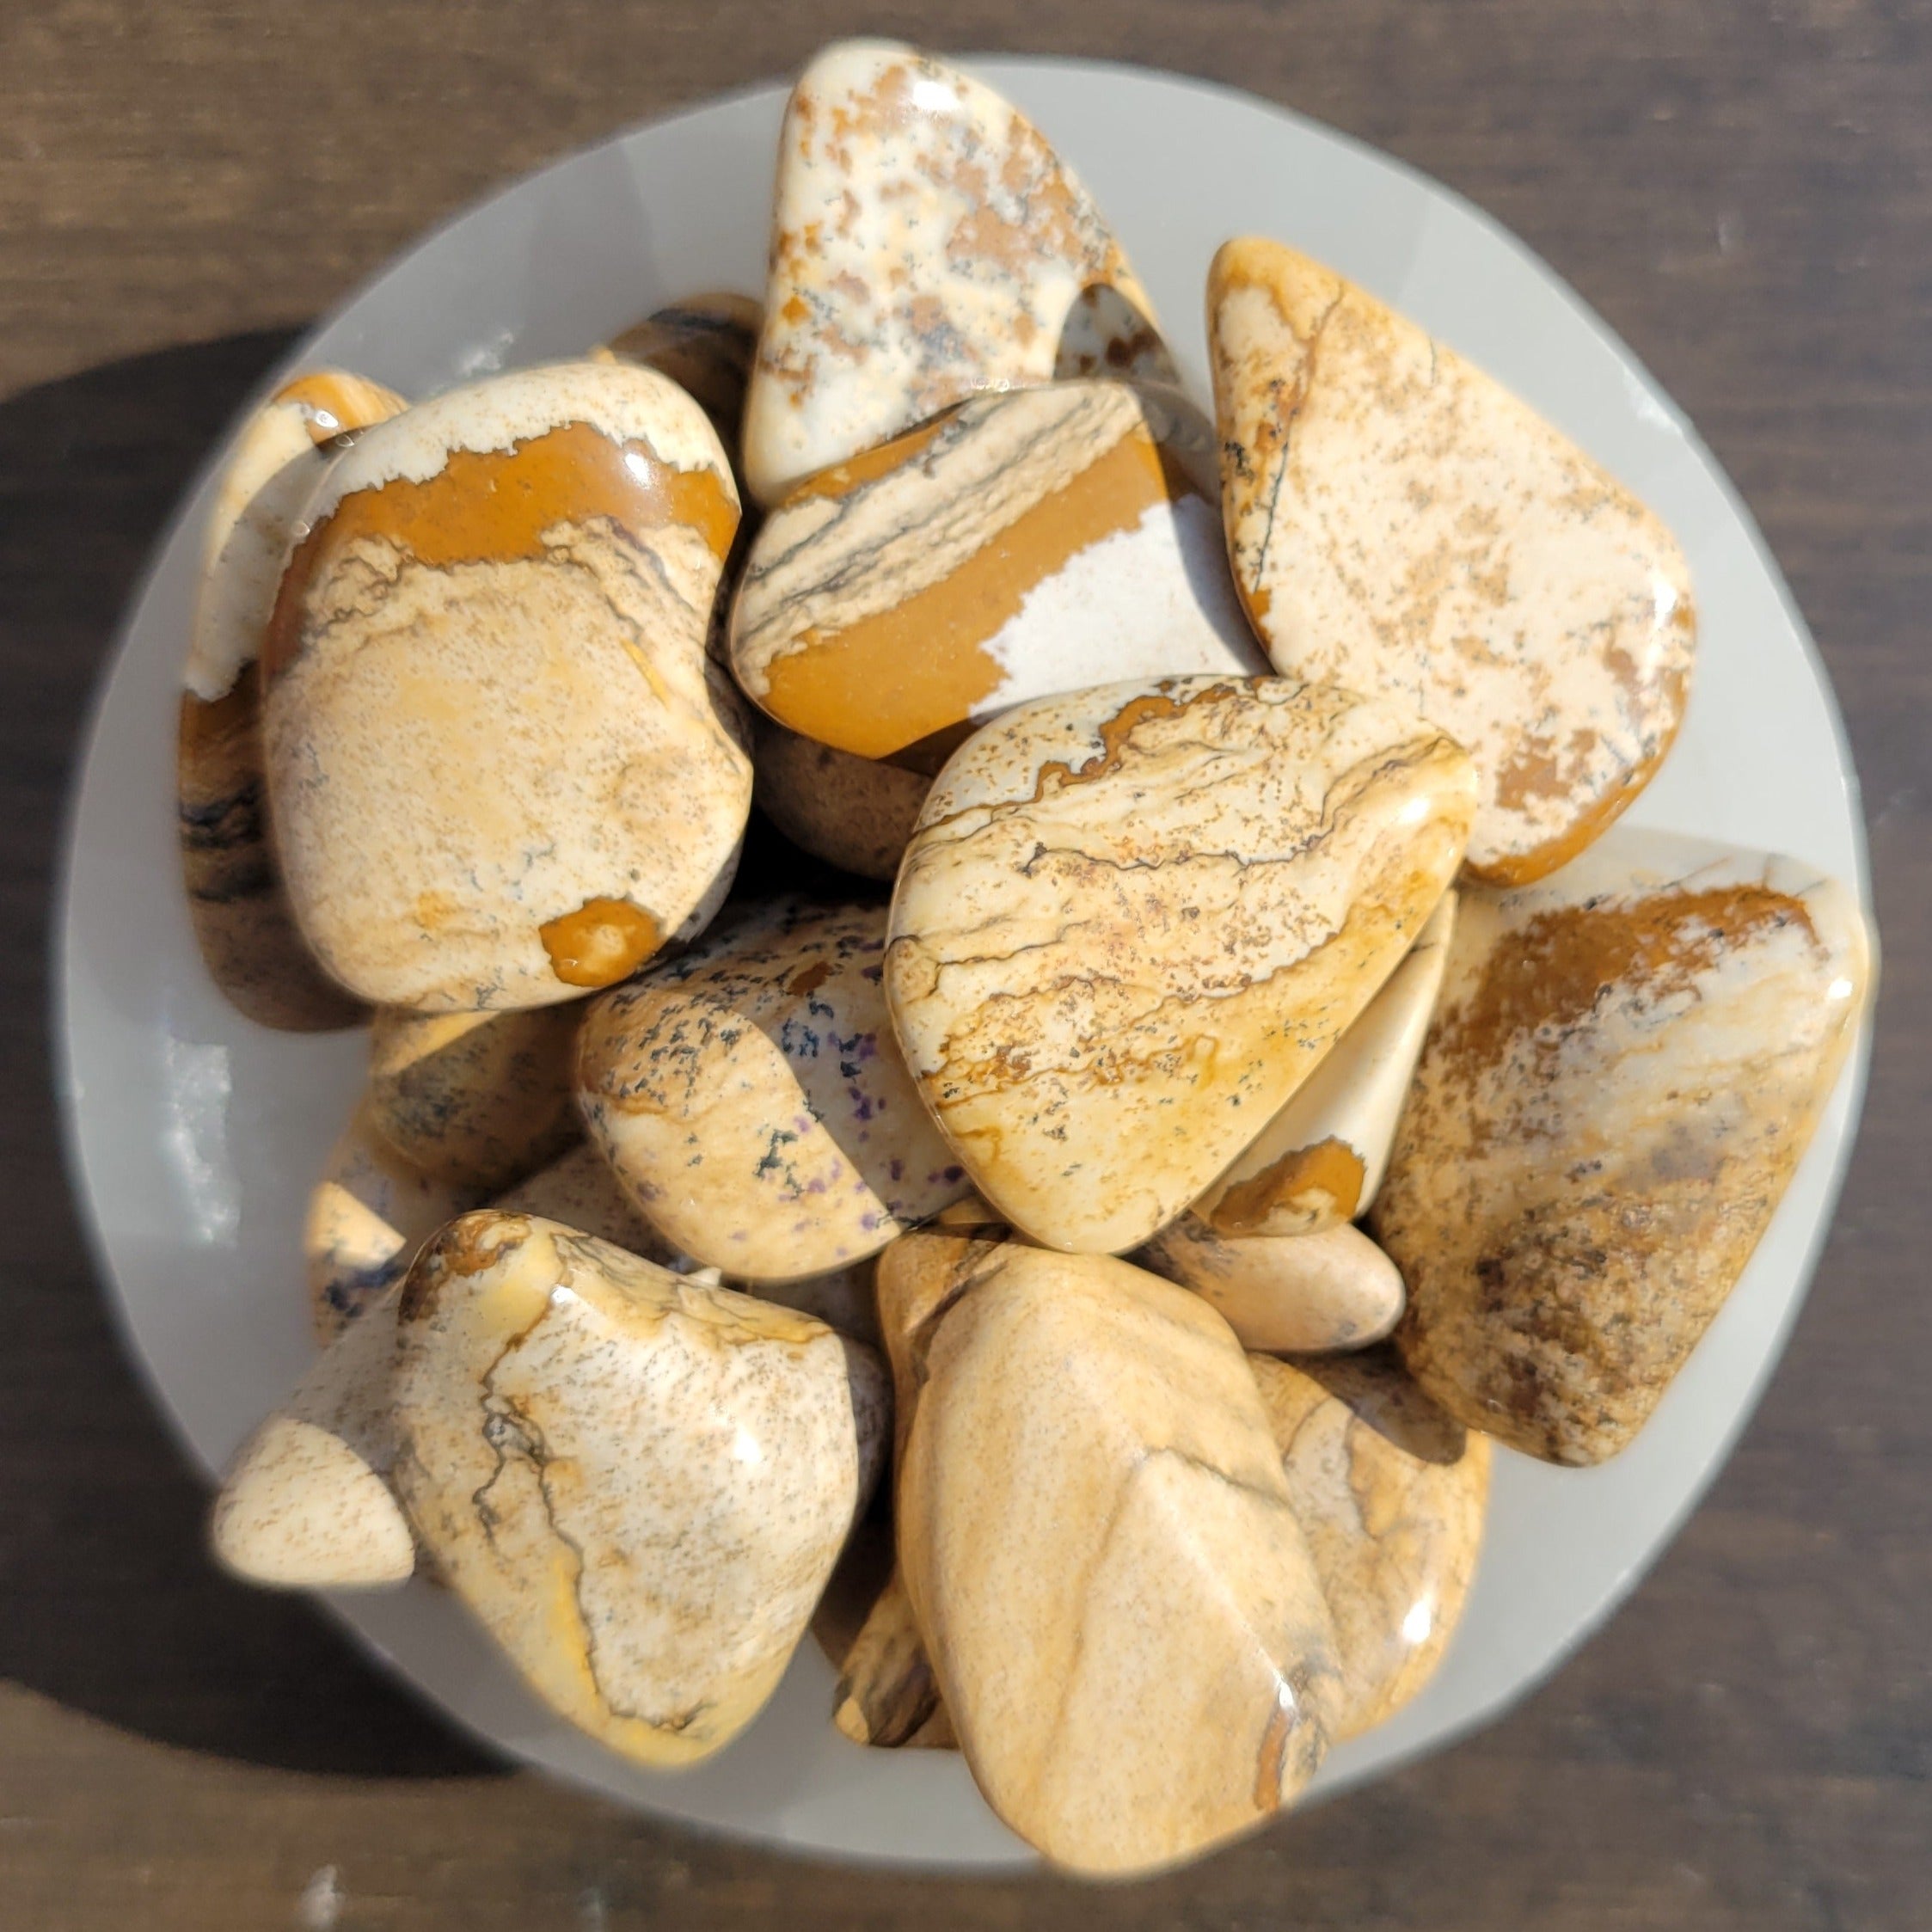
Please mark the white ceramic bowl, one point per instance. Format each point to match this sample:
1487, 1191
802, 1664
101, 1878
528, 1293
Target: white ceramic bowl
196, 1136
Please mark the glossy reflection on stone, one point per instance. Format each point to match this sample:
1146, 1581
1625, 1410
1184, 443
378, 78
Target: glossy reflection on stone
504, 768
1104, 1563
242, 923
1134, 919
1392, 1495
1321, 1159
926, 244
856, 813
1401, 524
1628, 1061
1035, 542
639, 1486
752, 1098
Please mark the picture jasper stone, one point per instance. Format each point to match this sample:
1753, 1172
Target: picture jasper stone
242, 923
1106, 1566
1401, 524
1024, 544
705, 344
1392, 1495
752, 1100
1133, 920
638, 1484
1627, 1064
503, 769
926, 244
855, 813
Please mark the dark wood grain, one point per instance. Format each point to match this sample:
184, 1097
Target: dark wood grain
1744, 188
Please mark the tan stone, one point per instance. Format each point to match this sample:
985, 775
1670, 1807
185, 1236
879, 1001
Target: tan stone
504, 768
307, 1502
1134, 919
887, 1696
1401, 524
855, 813
1286, 1294
1104, 1563
1627, 1063
753, 1100
704, 343
639, 1486
1392, 1495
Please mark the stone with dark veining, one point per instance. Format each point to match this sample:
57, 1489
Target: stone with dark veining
504, 768
1134, 919
927, 243
705, 344
1401, 524
752, 1100
639, 1486
1627, 1064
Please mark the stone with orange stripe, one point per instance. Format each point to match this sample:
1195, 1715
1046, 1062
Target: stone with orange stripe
503, 769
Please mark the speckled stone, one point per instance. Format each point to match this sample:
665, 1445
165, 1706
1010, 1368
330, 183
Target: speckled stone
1040, 541
242, 923
1104, 1565
368, 1215
1286, 1294
752, 1098
639, 1486
926, 244
306, 1504
1627, 1064
1402, 524
855, 813
705, 344
475, 1100
1133, 919
504, 768
1392, 1495
1321, 1159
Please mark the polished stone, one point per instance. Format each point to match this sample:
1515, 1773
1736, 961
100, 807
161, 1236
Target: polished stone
1626, 1065
1133, 920
705, 344
504, 768
1402, 524
927, 243
639, 1486
855, 813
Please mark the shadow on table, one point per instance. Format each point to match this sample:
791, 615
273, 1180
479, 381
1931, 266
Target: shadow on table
107, 1602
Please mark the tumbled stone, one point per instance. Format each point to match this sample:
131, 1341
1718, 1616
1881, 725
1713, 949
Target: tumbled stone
579, 1189
503, 767
887, 1696
1321, 1159
855, 813
370, 1212
1105, 1567
638, 1484
751, 1099
306, 1504
1392, 1495
705, 344
1402, 524
1133, 919
242, 923
477, 1099
1286, 1294
1024, 544
926, 244
1627, 1063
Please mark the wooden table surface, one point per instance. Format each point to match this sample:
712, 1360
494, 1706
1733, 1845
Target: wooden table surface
1744, 189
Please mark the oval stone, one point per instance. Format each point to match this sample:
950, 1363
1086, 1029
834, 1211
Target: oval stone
855, 813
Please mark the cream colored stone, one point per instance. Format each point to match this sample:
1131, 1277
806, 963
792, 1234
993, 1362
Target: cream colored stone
1322, 1158
1286, 1294
1133, 920
307, 1502
579, 1189
504, 768
927, 243
1104, 1565
1627, 1063
639, 1486
1392, 1495
1402, 524
368, 1215
753, 1100
475, 1100
855, 813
